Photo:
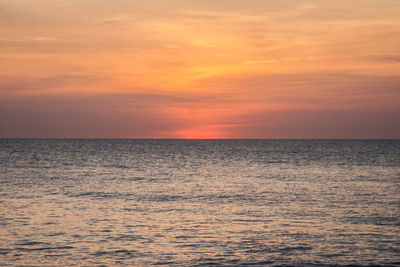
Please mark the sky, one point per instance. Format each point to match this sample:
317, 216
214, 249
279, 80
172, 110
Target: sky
287, 69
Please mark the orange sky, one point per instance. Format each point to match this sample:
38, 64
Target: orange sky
200, 68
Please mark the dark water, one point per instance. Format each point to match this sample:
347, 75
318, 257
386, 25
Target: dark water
199, 202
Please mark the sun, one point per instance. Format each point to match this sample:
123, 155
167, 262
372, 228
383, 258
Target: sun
202, 132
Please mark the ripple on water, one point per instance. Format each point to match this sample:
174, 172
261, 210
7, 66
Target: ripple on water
199, 203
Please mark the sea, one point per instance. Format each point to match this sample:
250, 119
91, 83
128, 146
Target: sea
112, 202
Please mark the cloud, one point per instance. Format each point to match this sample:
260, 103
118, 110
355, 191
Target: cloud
394, 58
10, 85
332, 88
347, 123
147, 115
252, 62
90, 116
134, 115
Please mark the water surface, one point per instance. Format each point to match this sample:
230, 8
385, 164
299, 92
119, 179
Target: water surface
199, 202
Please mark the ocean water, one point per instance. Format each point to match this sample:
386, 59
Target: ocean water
199, 202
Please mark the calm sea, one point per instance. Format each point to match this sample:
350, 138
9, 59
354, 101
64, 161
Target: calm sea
199, 202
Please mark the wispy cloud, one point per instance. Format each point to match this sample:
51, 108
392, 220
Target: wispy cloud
252, 62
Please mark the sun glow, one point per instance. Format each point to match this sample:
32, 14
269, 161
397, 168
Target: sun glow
202, 132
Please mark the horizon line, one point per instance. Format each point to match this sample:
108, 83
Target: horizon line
120, 138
